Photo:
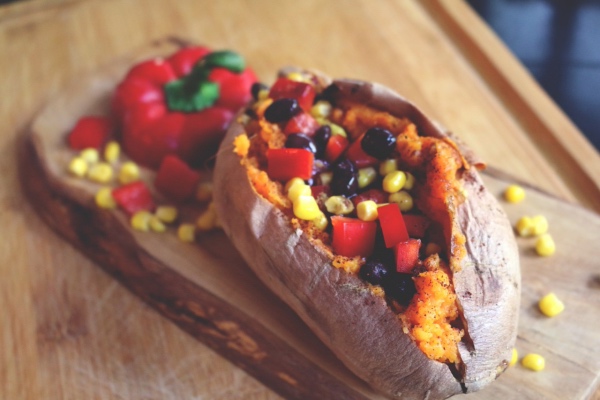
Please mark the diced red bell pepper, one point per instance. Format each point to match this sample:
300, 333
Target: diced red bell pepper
301, 123
353, 237
285, 164
416, 225
336, 145
303, 92
176, 180
134, 197
90, 132
407, 255
392, 225
319, 190
376, 195
356, 154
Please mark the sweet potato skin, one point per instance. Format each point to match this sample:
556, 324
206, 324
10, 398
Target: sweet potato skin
354, 323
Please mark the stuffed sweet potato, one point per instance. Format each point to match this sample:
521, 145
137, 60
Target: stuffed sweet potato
372, 223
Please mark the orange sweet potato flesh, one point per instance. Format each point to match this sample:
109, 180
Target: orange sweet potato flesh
359, 326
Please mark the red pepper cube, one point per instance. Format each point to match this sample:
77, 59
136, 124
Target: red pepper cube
416, 225
134, 197
407, 255
357, 155
176, 180
376, 195
336, 145
303, 92
353, 237
90, 132
392, 225
285, 164
301, 123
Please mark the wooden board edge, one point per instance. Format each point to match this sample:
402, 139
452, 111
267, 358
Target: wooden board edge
99, 235
574, 159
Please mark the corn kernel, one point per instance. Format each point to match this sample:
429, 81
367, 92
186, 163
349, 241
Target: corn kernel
262, 105
403, 199
320, 222
366, 176
90, 155
156, 224
112, 151
394, 181
410, 181
263, 94
166, 214
339, 205
204, 192
367, 210
545, 246
514, 357
550, 305
525, 226
78, 167
293, 182
129, 172
140, 221
101, 173
299, 190
514, 194
432, 248
298, 77
186, 232
336, 129
387, 166
540, 225
534, 362
326, 178
206, 221
105, 199
321, 109
306, 208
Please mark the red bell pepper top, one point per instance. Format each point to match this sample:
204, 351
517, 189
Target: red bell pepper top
285, 164
392, 225
90, 132
176, 180
134, 197
416, 225
303, 92
353, 237
407, 255
336, 145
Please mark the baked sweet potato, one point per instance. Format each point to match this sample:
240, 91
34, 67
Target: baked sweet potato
469, 287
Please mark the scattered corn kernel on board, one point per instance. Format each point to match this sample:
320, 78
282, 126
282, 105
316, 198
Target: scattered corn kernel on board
71, 331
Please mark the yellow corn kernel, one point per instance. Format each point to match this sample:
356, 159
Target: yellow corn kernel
166, 214
326, 177
306, 208
101, 173
321, 109
105, 199
320, 222
366, 176
90, 155
367, 210
403, 199
186, 232
263, 94
336, 129
112, 151
298, 77
514, 357
410, 181
545, 246
339, 205
540, 225
204, 192
78, 167
394, 181
293, 182
140, 221
432, 248
550, 305
129, 172
299, 190
534, 362
157, 225
525, 226
514, 194
262, 105
206, 221
387, 166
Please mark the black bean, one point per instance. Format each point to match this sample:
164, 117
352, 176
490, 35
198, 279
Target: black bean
345, 180
300, 141
321, 138
374, 272
256, 88
400, 287
378, 143
281, 110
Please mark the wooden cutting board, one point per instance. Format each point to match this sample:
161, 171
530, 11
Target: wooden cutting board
77, 333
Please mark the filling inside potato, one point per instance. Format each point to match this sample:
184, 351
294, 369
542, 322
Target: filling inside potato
372, 193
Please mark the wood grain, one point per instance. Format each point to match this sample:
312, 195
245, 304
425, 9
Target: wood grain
69, 331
